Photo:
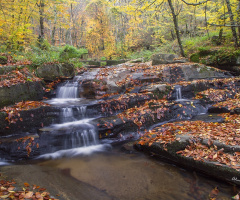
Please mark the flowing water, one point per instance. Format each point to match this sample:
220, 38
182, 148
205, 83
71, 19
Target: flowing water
82, 167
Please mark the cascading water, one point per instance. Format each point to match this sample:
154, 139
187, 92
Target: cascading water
178, 89
69, 89
69, 114
75, 131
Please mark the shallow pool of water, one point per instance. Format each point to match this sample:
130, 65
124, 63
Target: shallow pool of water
115, 175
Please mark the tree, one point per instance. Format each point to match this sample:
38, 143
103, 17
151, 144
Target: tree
235, 38
175, 21
41, 6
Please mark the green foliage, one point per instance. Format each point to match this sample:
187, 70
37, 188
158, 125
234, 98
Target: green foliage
39, 56
145, 54
43, 44
69, 52
224, 56
76, 63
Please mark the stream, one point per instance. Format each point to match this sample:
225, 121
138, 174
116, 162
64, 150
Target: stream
74, 164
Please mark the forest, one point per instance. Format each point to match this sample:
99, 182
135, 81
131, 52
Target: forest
115, 29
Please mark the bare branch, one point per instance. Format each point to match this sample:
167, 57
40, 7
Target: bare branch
195, 4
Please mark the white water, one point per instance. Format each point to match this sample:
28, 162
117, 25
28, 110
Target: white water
179, 92
3, 163
76, 151
79, 136
69, 89
178, 89
83, 122
69, 112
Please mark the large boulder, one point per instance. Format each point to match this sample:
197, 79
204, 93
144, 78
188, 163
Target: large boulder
50, 72
21, 92
190, 72
158, 59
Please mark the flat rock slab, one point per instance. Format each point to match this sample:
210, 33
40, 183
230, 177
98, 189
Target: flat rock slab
210, 168
158, 59
209, 147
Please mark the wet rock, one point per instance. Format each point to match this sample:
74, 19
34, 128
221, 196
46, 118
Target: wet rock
112, 127
88, 89
21, 92
158, 59
50, 72
31, 120
218, 110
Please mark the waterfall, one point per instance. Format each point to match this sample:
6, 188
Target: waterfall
69, 89
178, 89
74, 134
81, 138
69, 114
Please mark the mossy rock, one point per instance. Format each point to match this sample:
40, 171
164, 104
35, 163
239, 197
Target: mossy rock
95, 63
195, 57
21, 92
50, 72
3, 60
114, 62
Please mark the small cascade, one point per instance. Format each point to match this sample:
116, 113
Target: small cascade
67, 115
82, 110
178, 89
67, 112
69, 90
75, 134
83, 138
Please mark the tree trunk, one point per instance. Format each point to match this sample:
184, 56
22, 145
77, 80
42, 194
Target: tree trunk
235, 38
176, 28
238, 18
205, 16
41, 13
54, 28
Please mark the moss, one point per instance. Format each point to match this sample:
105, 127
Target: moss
195, 57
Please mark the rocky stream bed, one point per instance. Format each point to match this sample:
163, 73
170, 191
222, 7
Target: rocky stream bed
182, 113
